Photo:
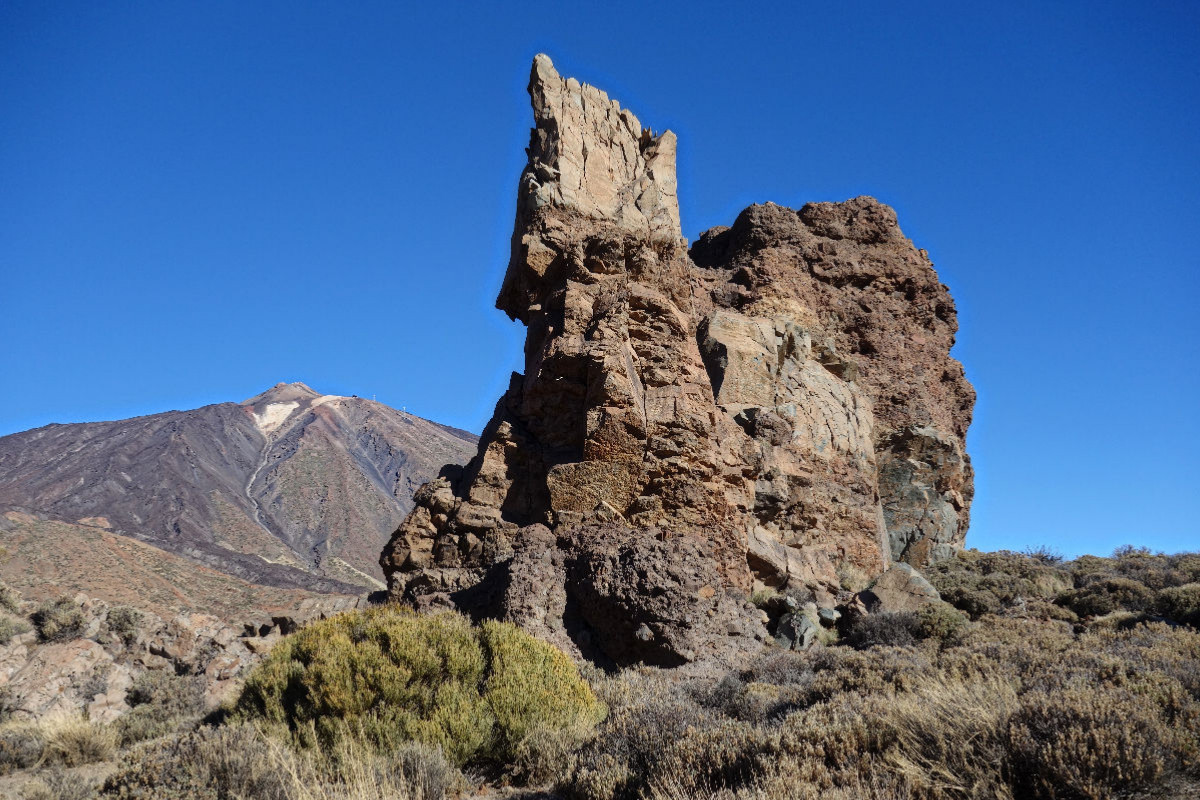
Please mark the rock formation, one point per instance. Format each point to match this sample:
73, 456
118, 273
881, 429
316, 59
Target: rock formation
776, 407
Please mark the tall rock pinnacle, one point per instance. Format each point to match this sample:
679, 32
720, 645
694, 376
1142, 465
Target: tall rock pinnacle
777, 407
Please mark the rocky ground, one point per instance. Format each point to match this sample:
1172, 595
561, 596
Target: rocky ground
77, 656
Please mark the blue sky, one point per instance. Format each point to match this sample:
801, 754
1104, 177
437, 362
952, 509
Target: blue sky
201, 200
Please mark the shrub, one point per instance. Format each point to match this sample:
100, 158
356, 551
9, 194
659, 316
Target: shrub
389, 676
58, 620
21, 746
1107, 595
942, 623
1094, 742
75, 742
10, 598
123, 622
1180, 603
986, 583
1044, 554
887, 629
160, 702
11, 627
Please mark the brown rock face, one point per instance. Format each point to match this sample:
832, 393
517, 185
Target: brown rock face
773, 406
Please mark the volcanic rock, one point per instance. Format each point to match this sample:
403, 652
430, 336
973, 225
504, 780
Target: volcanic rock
776, 406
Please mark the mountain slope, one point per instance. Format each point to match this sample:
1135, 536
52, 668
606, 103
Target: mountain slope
48, 559
290, 488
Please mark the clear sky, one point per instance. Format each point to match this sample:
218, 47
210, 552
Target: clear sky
198, 200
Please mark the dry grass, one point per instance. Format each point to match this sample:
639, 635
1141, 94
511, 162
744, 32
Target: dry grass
58, 620
74, 741
1078, 680
246, 761
1066, 686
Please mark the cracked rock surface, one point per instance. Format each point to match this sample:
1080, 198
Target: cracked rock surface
775, 406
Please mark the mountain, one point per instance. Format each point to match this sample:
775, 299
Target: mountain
291, 488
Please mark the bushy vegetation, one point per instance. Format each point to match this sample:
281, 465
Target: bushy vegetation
1017, 708
58, 620
123, 622
10, 598
939, 622
389, 676
160, 702
11, 627
1075, 680
1134, 584
245, 761
1039, 678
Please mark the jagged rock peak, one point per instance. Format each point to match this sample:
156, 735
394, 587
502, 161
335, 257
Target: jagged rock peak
777, 407
590, 159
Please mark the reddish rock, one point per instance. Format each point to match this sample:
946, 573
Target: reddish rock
772, 407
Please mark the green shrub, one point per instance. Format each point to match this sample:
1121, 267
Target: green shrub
11, 627
389, 676
58, 620
123, 622
942, 623
1180, 603
987, 583
1107, 595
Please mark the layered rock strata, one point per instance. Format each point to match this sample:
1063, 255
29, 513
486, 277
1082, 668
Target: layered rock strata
775, 407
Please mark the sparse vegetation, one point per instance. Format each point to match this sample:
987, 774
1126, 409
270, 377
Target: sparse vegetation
123, 622
58, 620
59, 784
1073, 680
21, 746
11, 627
160, 702
10, 598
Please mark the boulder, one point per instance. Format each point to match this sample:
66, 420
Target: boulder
901, 588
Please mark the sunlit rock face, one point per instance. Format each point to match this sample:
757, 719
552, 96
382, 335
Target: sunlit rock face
775, 406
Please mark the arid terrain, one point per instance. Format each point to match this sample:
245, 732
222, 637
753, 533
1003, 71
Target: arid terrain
712, 545
290, 488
